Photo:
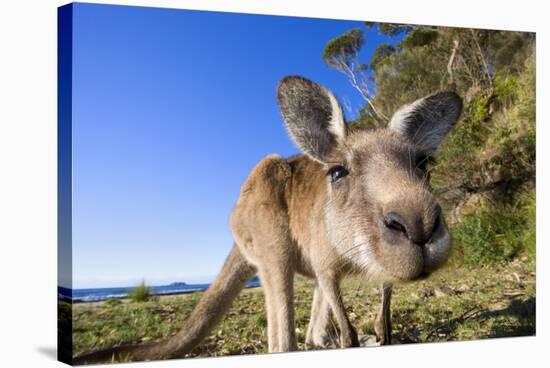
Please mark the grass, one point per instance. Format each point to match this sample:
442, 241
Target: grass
454, 304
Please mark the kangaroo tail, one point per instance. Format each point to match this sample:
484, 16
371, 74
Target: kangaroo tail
208, 312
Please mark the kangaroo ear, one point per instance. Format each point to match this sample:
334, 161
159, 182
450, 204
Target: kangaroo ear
312, 115
428, 120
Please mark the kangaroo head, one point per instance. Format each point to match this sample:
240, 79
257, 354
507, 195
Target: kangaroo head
379, 210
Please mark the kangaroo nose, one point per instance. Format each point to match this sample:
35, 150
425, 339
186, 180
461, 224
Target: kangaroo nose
395, 222
413, 229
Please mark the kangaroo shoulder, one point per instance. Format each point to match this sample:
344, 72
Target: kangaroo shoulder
263, 198
268, 178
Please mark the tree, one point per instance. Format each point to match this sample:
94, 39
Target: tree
465, 51
380, 54
391, 29
341, 53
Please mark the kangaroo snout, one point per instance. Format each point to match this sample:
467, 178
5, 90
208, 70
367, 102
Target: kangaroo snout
413, 228
414, 240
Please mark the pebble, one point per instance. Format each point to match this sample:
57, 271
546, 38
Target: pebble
440, 292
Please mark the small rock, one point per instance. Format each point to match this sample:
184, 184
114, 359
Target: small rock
462, 288
442, 291
425, 293
368, 340
497, 307
472, 204
513, 293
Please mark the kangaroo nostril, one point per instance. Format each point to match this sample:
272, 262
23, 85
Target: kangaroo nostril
394, 221
436, 223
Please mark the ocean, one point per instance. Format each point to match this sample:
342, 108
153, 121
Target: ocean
99, 294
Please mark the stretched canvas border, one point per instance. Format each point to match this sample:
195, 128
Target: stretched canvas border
64, 178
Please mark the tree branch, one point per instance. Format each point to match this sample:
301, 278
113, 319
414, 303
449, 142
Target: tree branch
483, 61
451, 61
363, 90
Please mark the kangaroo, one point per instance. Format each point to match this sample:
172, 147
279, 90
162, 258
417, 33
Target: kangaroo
356, 201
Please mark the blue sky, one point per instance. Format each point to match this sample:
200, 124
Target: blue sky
171, 110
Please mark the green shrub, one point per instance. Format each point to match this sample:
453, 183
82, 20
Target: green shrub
527, 91
141, 293
497, 233
458, 158
505, 89
529, 213
113, 302
478, 110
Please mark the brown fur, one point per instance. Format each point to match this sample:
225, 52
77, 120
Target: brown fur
379, 220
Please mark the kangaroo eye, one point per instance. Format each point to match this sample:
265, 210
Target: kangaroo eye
337, 172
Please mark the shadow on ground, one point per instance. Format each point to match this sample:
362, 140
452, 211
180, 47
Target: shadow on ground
48, 351
516, 317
